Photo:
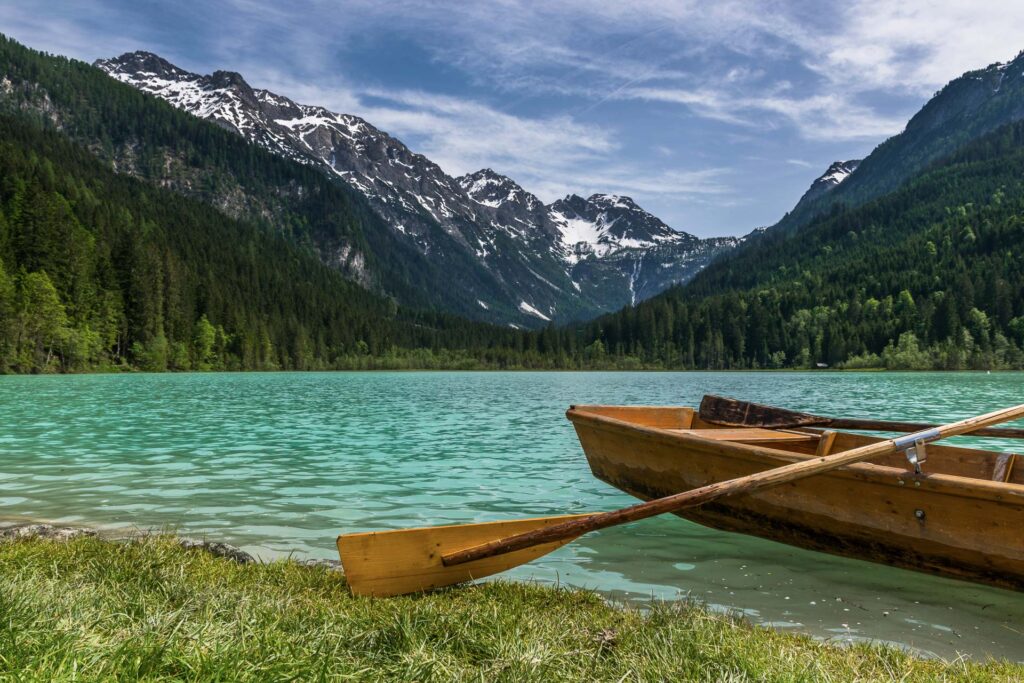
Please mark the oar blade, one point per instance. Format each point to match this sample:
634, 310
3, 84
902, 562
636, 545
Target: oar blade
385, 563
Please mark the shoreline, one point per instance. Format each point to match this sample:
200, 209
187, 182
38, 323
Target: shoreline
644, 370
14, 529
163, 610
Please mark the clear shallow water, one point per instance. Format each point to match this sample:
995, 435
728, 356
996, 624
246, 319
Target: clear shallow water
280, 463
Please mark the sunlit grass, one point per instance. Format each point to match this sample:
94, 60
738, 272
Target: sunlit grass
98, 610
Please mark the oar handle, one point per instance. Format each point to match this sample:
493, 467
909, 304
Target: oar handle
705, 494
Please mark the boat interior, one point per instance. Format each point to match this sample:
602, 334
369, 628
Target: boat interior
1003, 464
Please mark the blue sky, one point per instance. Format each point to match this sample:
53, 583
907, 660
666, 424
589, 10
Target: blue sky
714, 116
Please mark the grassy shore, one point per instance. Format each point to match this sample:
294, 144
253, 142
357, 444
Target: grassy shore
91, 609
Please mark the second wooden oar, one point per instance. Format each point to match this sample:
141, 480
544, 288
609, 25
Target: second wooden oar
410, 560
729, 412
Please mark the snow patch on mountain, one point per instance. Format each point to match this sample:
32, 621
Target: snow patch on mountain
530, 310
839, 171
836, 173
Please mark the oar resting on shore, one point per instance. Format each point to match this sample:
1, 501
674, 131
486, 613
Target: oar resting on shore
403, 561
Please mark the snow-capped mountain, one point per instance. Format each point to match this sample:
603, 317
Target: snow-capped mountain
606, 223
573, 259
836, 173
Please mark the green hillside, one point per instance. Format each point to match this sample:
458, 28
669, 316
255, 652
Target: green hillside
931, 275
965, 109
143, 136
101, 270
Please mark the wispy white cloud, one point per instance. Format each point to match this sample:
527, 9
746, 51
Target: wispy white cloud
614, 51
463, 135
914, 44
550, 156
62, 34
548, 91
633, 180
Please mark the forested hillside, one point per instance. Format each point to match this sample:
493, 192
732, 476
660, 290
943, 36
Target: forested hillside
103, 267
966, 108
142, 136
102, 270
99, 270
929, 276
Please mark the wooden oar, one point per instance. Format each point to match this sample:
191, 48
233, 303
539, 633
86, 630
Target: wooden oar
410, 560
729, 412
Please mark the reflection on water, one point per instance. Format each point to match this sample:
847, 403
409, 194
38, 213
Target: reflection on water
280, 463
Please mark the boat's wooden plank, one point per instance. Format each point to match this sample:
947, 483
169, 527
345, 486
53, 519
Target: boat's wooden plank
958, 461
754, 435
662, 417
732, 413
971, 486
729, 412
963, 528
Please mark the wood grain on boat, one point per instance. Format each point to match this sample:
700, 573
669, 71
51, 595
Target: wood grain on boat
954, 519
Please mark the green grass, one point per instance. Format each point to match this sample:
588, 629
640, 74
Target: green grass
98, 610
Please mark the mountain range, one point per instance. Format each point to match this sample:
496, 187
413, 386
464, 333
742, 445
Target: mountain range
569, 260
206, 232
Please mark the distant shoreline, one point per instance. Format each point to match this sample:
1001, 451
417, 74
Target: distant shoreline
515, 370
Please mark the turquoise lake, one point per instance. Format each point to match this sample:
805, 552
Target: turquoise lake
281, 463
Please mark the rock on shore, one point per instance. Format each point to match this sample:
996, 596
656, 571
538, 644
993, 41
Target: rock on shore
66, 533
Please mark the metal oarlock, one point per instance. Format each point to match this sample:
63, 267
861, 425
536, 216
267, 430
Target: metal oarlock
916, 455
913, 446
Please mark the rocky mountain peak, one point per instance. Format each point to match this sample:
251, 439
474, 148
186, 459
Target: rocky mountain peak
526, 261
837, 172
571, 204
141, 62
228, 79
618, 201
493, 189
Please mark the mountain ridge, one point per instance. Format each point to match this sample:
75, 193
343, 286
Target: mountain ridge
523, 248
966, 108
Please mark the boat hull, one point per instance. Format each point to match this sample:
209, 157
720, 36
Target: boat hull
947, 525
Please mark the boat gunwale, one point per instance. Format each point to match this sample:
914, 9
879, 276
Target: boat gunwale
949, 484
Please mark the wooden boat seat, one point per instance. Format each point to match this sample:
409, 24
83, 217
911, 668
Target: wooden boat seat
748, 435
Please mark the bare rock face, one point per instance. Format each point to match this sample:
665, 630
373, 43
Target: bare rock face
45, 531
830, 179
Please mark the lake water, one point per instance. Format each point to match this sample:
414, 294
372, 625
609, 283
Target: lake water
281, 463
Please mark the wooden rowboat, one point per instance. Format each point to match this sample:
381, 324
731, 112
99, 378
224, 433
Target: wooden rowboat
961, 517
